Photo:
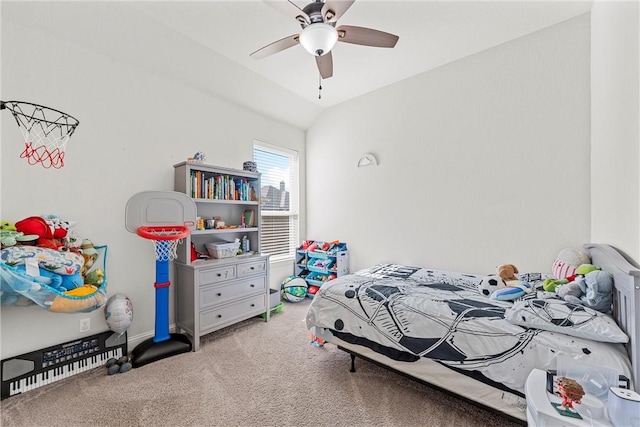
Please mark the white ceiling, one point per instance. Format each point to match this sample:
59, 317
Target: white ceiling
207, 44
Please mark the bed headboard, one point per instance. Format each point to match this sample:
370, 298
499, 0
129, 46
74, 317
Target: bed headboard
626, 296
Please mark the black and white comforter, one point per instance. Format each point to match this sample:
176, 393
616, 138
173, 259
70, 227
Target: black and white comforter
409, 313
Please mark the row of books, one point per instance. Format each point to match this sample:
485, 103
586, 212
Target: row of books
221, 187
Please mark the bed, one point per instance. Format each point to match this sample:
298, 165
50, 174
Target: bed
435, 327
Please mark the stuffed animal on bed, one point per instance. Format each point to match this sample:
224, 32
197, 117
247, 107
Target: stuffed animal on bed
569, 286
568, 261
515, 289
596, 291
507, 272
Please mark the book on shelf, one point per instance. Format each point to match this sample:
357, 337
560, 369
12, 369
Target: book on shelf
220, 187
249, 218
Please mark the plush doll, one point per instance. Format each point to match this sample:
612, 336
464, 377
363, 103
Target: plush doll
90, 255
597, 288
59, 282
507, 272
38, 226
95, 278
72, 241
569, 292
9, 238
551, 285
515, 289
7, 226
567, 261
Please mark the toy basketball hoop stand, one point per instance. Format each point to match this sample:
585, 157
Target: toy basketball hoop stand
45, 131
143, 213
163, 344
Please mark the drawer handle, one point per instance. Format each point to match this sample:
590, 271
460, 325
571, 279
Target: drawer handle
219, 316
253, 305
252, 285
252, 268
219, 294
219, 274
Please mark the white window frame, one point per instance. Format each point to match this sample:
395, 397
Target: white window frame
294, 199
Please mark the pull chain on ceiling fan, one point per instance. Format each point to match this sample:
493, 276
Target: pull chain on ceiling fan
319, 32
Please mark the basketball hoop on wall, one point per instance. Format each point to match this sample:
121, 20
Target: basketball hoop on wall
45, 131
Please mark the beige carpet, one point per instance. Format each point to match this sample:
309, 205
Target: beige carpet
254, 373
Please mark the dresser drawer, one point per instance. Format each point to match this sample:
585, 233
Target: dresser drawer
235, 311
217, 294
217, 274
250, 268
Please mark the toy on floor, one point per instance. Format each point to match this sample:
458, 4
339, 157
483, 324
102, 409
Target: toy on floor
146, 215
275, 309
293, 289
118, 366
312, 291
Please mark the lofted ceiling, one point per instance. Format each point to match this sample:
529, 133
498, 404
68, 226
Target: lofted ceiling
206, 44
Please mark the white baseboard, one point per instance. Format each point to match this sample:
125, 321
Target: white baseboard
134, 340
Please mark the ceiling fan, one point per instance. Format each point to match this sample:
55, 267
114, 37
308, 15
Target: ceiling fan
319, 32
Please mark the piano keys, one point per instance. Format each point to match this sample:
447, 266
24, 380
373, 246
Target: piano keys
41, 367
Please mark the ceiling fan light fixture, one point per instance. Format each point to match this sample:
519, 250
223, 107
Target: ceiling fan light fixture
318, 39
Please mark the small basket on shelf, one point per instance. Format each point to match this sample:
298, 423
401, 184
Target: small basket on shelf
223, 250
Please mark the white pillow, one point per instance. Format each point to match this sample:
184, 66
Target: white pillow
556, 315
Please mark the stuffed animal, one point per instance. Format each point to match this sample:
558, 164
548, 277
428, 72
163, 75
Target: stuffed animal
95, 278
72, 241
59, 282
567, 262
514, 290
507, 272
597, 289
90, 255
59, 228
9, 238
569, 291
570, 286
38, 226
7, 226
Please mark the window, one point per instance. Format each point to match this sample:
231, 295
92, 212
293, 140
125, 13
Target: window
278, 199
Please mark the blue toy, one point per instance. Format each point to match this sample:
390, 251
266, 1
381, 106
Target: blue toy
514, 290
59, 282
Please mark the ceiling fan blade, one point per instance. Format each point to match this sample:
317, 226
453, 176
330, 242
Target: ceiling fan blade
275, 47
335, 9
290, 9
325, 65
366, 36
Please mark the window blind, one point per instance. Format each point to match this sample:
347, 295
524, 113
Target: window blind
278, 199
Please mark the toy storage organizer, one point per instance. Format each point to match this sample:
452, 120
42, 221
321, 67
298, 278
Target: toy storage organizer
21, 289
318, 266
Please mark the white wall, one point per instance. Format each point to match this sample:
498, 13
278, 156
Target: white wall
483, 161
615, 136
134, 126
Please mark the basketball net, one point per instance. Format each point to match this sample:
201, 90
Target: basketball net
165, 241
45, 131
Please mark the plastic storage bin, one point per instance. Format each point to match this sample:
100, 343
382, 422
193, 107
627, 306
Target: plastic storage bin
222, 250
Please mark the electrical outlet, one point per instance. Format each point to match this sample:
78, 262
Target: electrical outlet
85, 324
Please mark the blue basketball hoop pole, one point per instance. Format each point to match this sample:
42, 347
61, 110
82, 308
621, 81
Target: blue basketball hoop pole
163, 344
